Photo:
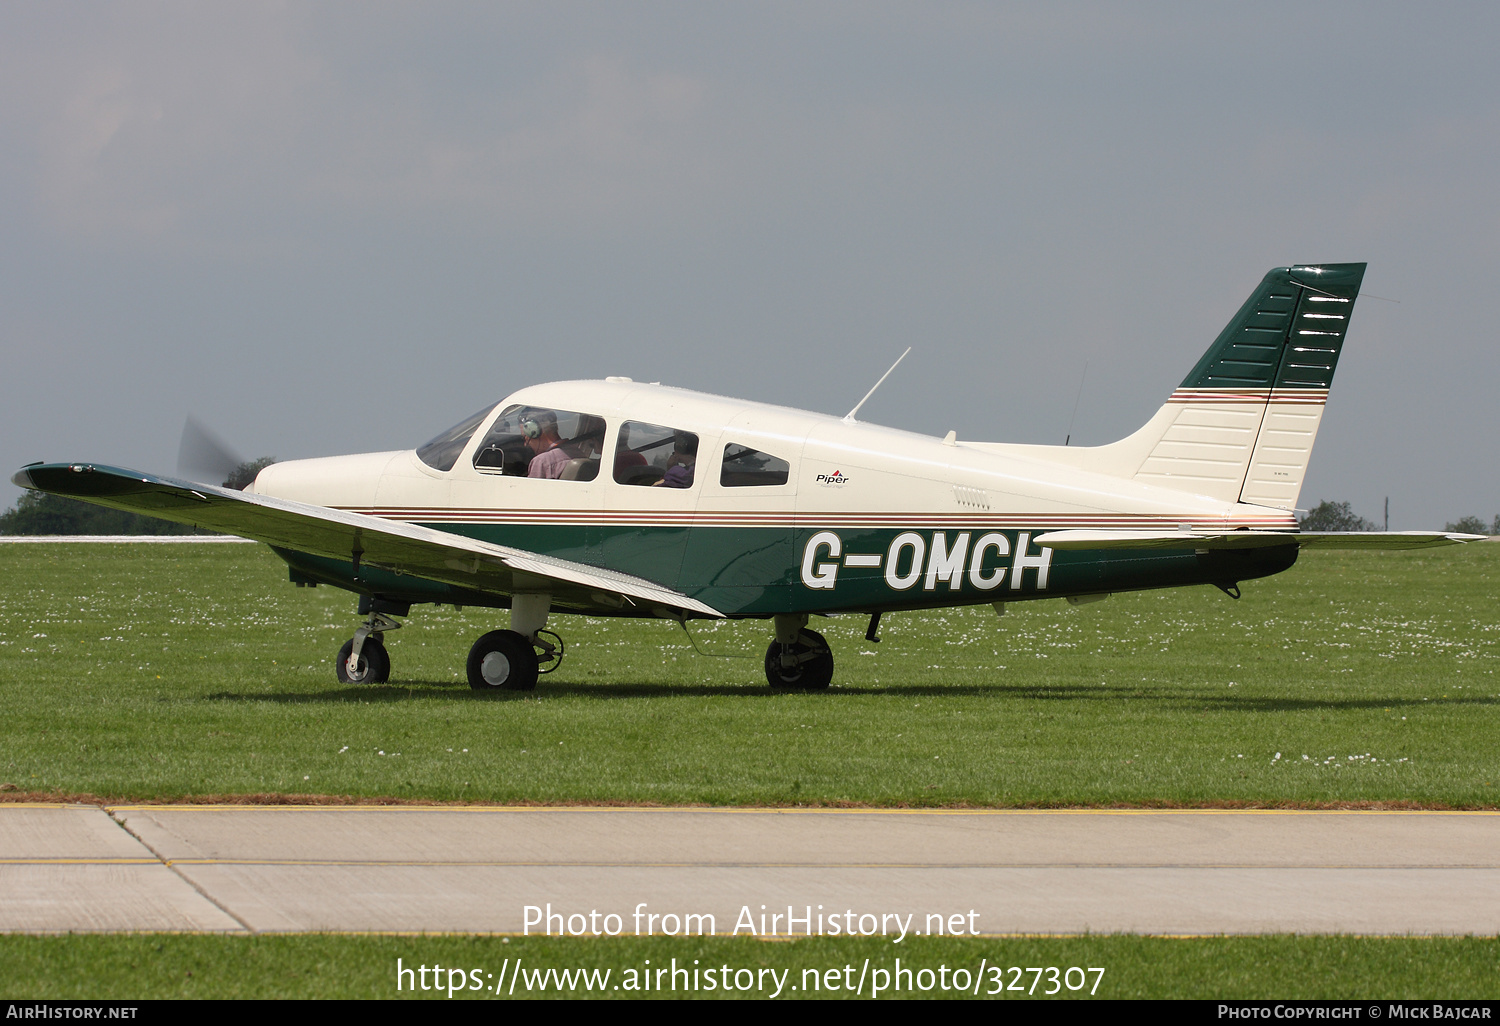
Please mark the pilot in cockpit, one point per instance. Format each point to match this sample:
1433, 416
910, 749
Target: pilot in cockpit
542, 439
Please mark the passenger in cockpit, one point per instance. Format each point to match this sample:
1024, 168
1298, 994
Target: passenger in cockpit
682, 461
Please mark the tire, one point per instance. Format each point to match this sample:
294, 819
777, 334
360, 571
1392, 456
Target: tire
502, 660
374, 663
809, 674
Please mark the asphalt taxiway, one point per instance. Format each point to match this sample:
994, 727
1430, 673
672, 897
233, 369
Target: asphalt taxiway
477, 869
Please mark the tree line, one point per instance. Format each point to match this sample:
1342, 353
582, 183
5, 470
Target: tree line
1337, 516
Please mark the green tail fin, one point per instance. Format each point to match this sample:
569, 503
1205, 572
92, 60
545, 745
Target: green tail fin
1287, 335
1241, 426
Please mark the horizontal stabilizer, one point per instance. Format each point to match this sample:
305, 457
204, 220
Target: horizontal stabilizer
1383, 539
366, 540
1074, 540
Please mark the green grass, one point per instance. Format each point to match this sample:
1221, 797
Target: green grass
156, 671
139, 966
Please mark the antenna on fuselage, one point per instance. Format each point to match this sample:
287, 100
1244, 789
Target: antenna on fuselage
850, 415
1081, 379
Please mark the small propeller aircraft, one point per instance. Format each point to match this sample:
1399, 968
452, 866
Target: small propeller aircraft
615, 498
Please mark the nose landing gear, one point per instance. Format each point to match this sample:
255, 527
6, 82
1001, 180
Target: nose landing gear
371, 666
363, 659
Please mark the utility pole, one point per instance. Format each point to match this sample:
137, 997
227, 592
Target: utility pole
1387, 512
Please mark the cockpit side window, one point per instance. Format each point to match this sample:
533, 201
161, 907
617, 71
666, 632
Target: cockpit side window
442, 452
650, 454
744, 467
535, 441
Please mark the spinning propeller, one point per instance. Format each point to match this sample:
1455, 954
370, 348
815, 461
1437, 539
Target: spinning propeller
204, 457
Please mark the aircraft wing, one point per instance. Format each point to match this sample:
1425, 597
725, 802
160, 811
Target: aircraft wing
369, 541
1066, 540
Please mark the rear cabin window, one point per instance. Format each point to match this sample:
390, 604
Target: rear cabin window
745, 467
442, 452
650, 454
535, 441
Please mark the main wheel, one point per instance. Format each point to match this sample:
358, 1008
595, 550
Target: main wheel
374, 666
814, 667
502, 659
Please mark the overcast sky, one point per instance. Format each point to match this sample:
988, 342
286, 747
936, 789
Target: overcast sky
327, 228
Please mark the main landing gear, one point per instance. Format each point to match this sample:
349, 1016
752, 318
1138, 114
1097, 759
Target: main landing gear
798, 658
511, 660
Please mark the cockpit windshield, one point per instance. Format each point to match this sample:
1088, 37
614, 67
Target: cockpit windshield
442, 452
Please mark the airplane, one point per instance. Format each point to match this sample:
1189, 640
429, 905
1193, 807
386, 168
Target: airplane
619, 498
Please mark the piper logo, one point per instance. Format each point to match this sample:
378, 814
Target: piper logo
836, 478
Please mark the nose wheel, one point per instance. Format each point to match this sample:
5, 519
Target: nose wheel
372, 666
363, 659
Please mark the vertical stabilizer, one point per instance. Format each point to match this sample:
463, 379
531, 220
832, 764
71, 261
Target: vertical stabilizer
1241, 426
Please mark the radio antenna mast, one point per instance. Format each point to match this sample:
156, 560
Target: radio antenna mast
849, 417
1081, 379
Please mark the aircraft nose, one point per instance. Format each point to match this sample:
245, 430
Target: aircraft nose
21, 479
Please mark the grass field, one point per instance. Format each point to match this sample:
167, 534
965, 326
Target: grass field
322, 966
167, 671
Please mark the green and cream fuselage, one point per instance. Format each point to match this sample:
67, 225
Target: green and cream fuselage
868, 519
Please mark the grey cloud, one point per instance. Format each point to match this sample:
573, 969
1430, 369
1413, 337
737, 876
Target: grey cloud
333, 227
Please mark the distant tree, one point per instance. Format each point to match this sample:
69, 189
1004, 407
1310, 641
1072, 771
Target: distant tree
45, 513
1469, 525
1334, 516
241, 476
